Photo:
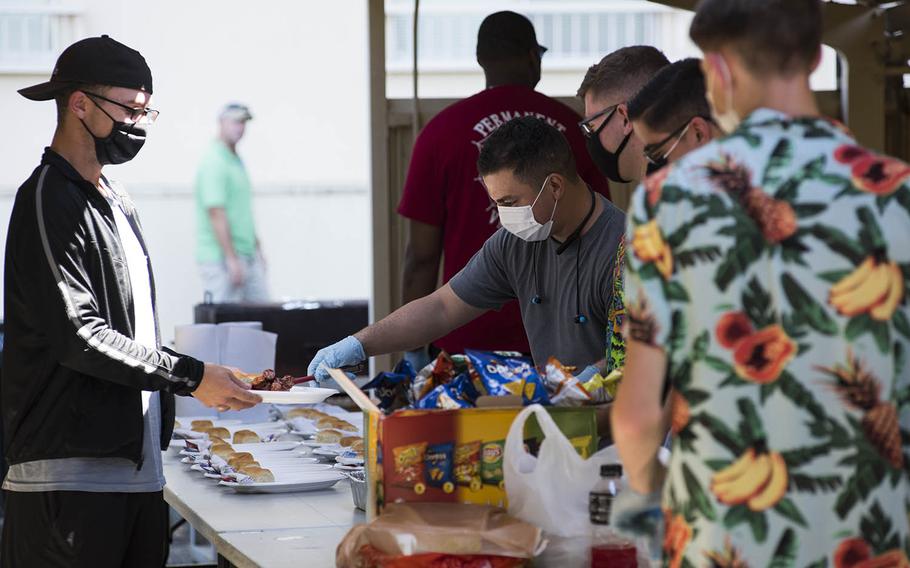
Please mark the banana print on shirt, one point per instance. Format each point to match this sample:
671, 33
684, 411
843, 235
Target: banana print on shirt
772, 266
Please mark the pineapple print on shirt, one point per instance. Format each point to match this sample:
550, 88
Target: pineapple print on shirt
772, 267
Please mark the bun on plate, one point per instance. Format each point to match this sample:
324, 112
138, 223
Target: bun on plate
308, 413
343, 425
260, 475
348, 441
200, 425
216, 440
246, 437
329, 436
222, 433
247, 467
357, 446
335, 424
236, 459
223, 451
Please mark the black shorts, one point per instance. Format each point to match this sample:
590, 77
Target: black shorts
82, 529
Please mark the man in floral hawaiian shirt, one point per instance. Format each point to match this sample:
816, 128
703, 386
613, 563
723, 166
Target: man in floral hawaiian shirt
767, 279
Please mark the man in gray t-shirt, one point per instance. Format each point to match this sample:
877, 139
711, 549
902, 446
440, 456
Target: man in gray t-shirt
555, 253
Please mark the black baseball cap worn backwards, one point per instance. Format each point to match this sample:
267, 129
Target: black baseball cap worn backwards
94, 61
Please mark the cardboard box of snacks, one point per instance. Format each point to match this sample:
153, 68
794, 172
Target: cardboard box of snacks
449, 455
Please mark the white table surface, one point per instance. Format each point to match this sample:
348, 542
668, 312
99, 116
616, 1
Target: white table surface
288, 548
241, 525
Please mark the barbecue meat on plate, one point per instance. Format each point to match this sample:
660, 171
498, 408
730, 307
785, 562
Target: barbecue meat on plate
268, 381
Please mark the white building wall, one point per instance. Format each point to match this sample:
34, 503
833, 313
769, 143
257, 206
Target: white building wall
301, 66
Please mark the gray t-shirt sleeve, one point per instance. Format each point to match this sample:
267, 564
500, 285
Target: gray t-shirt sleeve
484, 282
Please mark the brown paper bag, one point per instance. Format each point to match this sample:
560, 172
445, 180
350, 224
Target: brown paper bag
410, 529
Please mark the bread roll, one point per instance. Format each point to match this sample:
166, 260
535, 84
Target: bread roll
246, 437
325, 422
308, 413
357, 446
223, 451
248, 467
238, 459
348, 441
343, 425
260, 475
216, 440
200, 425
329, 436
220, 432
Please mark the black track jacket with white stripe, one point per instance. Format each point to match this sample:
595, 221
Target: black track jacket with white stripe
72, 375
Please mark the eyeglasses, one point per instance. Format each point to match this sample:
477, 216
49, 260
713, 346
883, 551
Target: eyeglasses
587, 124
136, 115
652, 151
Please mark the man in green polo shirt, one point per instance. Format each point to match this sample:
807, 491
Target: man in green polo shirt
230, 260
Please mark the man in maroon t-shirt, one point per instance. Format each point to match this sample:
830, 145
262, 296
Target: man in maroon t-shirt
449, 212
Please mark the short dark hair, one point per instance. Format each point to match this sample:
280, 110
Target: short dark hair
673, 96
625, 70
62, 98
772, 36
530, 148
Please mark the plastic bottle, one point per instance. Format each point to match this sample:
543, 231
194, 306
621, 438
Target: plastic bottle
608, 549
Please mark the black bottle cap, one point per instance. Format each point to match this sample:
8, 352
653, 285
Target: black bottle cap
611, 470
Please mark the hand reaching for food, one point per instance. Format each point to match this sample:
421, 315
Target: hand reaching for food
220, 389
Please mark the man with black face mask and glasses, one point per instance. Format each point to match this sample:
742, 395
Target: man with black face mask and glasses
606, 90
88, 391
671, 116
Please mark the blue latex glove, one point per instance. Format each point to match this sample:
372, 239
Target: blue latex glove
587, 374
348, 351
418, 358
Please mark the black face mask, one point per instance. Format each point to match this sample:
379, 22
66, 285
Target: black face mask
606, 162
121, 145
654, 166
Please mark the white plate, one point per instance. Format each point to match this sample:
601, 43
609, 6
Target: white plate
314, 444
297, 395
187, 421
313, 482
265, 447
330, 452
342, 467
283, 472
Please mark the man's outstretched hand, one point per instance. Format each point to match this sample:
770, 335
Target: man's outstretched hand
220, 389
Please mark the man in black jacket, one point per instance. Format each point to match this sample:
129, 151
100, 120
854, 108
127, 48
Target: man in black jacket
87, 390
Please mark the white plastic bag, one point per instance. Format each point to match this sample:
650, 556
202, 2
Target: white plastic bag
550, 490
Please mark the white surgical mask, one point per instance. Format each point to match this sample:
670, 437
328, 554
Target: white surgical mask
520, 221
729, 120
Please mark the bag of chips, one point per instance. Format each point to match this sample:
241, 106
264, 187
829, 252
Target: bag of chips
467, 465
439, 466
392, 388
506, 375
565, 389
409, 466
491, 462
460, 393
439, 372
533, 391
603, 389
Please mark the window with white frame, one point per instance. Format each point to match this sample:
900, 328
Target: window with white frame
576, 32
34, 32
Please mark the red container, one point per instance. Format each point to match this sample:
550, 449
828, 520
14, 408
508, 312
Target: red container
614, 556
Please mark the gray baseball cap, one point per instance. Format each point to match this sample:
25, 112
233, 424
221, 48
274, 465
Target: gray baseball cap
236, 111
